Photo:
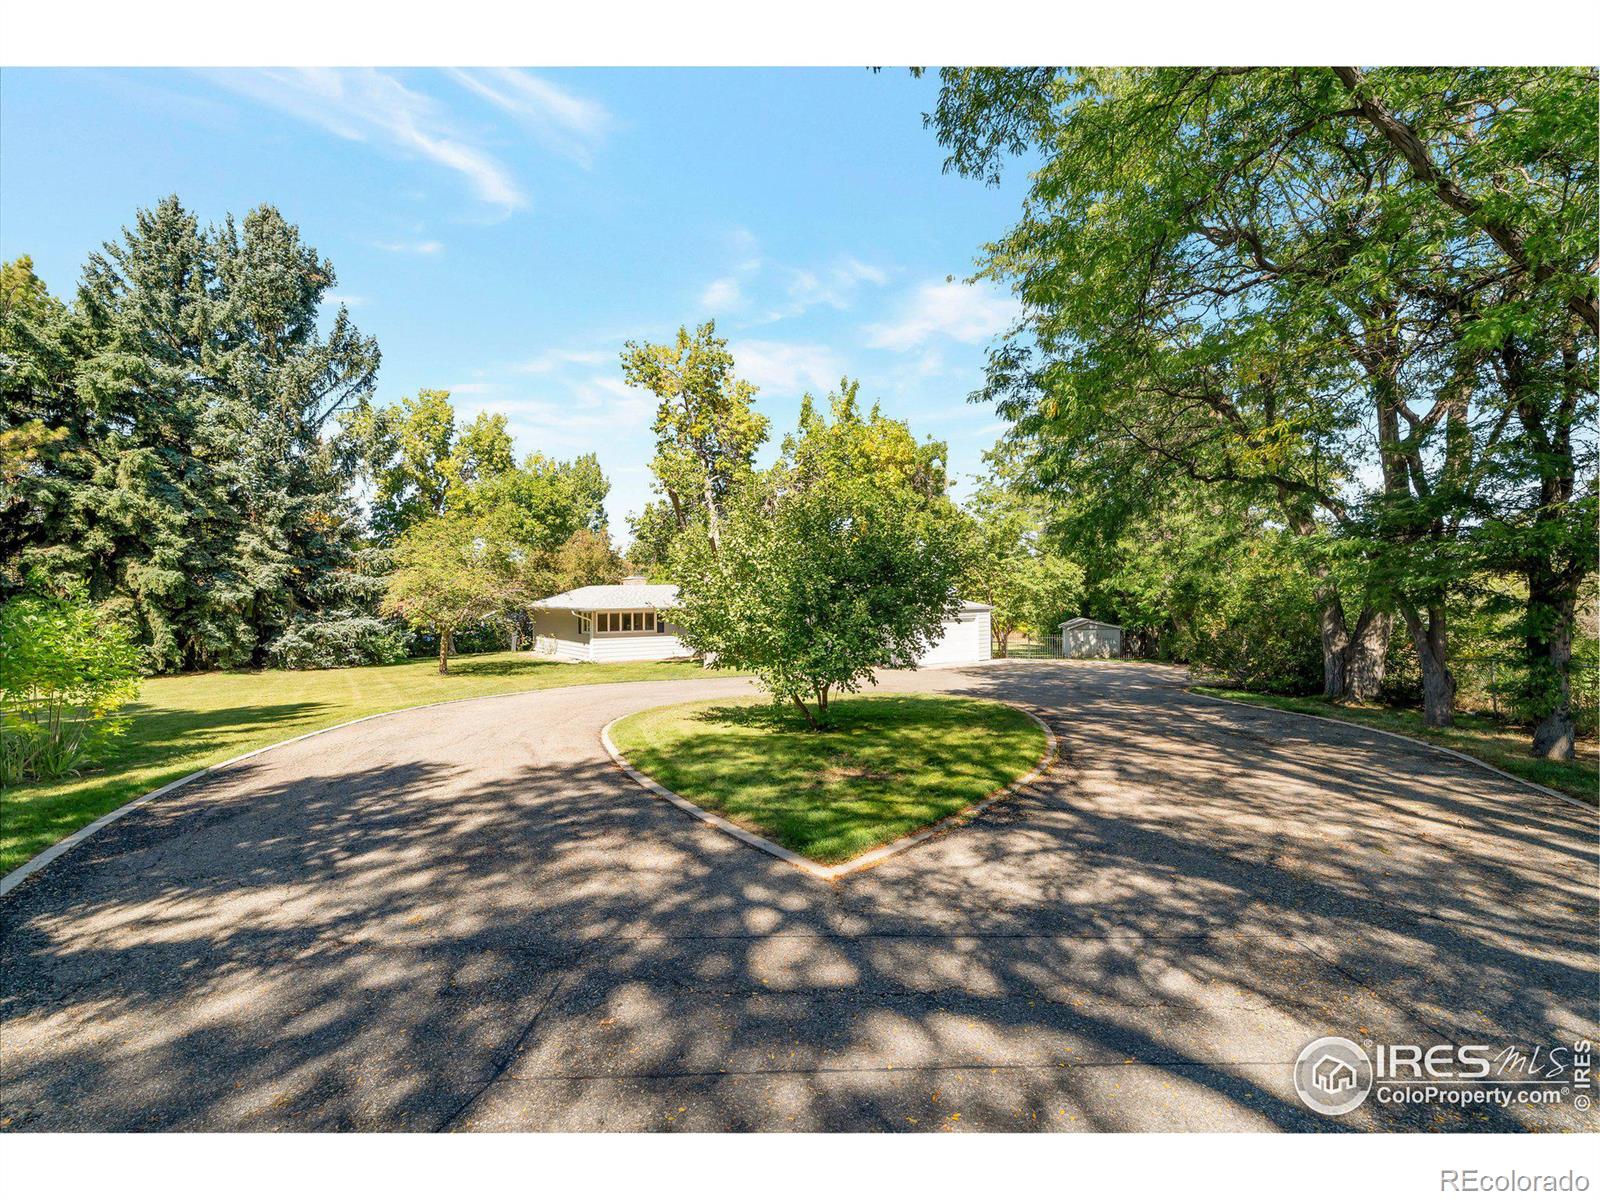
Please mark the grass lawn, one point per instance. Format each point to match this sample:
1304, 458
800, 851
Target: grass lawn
890, 764
184, 722
1499, 745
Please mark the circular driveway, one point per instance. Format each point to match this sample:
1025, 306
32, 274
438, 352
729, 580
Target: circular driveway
466, 917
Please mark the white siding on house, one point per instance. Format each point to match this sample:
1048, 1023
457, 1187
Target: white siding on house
636, 647
544, 644
561, 633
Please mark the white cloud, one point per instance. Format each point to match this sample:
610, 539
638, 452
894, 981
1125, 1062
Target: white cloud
721, 295
834, 285
962, 312
746, 248
421, 247
787, 367
552, 360
565, 123
367, 105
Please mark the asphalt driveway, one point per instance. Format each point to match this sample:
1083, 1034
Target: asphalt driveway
466, 917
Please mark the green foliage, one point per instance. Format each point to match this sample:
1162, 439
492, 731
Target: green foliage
653, 531
1009, 566
706, 431
1202, 579
834, 563
408, 454
185, 479
65, 672
1363, 299
453, 572
543, 503
338, 639
586, 558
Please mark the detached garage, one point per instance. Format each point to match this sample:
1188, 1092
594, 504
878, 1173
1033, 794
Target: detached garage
965, 640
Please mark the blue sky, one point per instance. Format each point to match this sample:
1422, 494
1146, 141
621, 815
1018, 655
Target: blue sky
502, 232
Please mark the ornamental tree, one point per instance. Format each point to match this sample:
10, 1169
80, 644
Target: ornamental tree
452, 572
826, 571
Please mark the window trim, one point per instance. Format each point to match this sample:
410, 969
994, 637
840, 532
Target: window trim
633, 620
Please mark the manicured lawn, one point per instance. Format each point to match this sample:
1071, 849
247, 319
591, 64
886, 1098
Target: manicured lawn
1498, 745
184, 722
890, 764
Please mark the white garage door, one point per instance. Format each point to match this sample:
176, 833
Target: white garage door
965, 640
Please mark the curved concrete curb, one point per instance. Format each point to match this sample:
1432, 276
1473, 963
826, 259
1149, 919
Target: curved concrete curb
45, 857
861, 862
1437, 749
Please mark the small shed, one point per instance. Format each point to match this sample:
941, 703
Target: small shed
1083, 638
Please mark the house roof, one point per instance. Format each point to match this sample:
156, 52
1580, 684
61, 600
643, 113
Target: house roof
643, 595
1080, 622
613, 595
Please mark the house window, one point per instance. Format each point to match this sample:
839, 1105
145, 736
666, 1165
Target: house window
642, 621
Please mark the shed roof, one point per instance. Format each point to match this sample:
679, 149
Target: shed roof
1082, 622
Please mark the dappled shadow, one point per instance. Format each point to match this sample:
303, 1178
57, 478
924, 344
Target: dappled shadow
469, 919
168, 733
882, 768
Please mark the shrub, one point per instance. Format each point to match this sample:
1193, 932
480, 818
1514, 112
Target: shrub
344, 639
65, 672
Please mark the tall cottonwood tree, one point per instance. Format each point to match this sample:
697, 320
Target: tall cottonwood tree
706, 431
1279, 280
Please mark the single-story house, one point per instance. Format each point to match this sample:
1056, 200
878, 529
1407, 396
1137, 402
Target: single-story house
1083, 638
622, 622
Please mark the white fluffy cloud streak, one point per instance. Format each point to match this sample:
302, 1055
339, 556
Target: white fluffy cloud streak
959, 311
721, 296
564, 122
368, 105
787, 368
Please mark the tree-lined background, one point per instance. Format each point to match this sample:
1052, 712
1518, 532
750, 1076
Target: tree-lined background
1302, 393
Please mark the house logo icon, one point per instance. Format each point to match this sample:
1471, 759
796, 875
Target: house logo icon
1332, 1076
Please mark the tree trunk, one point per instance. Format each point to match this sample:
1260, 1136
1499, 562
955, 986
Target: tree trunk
713, 522
1335, 641
444, 652
1367, 655
1552, 608
1353, 661
1438, 684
